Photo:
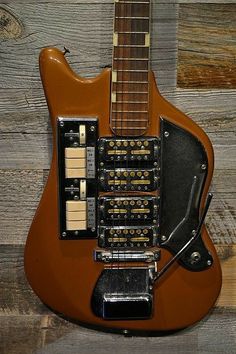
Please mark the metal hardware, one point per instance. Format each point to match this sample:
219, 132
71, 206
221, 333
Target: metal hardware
126, 256
166, 134
129, 179
126, 149
77, 165
188, 244
195, 257
130, 296
131, 210
163, 238
127, 236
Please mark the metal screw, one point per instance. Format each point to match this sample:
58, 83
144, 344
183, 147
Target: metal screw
63, 234
203, 166
76, 233
195, 257
166, 134
76, 197
163, 238
194, 232
92, 128
93, 229
75, 144
209, 262
62, 124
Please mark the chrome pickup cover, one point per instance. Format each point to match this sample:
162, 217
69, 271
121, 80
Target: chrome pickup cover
129, 179
130, 210
141, 149
127, 236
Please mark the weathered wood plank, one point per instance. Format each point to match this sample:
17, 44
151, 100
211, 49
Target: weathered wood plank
26, 186
53, 335
91, 2
228, 261
207, 46
90, 41
16, 294
25, 334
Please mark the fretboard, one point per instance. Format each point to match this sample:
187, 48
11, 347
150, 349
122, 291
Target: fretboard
130, 70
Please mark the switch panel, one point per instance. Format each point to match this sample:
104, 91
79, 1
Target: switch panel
77, 170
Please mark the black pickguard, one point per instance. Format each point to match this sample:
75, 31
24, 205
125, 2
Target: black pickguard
184, 168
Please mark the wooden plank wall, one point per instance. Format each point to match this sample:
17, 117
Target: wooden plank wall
193, 57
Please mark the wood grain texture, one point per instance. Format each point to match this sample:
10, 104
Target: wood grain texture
207, 53
26, 325
49, 334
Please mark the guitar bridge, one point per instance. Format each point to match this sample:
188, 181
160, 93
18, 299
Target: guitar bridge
126, 256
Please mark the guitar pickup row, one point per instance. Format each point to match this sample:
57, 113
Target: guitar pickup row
127, 149
130, 210
128, 236
129, 179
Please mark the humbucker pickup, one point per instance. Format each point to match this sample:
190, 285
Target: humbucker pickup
141, 149
129, 210
130, 179
128, 236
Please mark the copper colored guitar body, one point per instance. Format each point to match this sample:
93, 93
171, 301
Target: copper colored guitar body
64, 273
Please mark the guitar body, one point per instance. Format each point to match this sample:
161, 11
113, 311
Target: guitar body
63, 273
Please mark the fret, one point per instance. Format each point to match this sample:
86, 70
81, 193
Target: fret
132, 32
133, 71
131, 82
130, 70
131, 59
130, 92
120, 121
131, 46
131, 102
129, 111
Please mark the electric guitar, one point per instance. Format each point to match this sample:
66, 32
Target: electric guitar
118, 241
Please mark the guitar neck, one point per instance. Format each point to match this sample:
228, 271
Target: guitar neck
130, 69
